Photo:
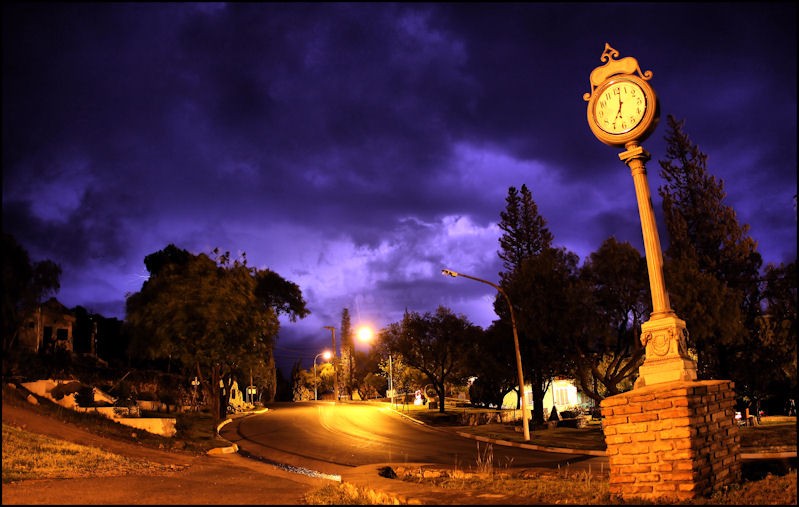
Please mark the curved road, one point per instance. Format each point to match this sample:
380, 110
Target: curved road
330, 438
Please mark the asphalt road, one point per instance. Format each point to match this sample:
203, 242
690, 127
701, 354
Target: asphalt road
329, 439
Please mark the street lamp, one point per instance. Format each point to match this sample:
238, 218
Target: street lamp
326, 355
523, 395
335, 364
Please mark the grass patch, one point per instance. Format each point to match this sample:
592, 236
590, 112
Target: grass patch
564, 487
31, 456
557, 486
347, 494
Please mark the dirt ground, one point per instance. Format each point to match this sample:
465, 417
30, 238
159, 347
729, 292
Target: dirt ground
197, 478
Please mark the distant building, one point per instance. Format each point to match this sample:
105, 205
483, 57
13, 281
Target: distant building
562, 394
48, 328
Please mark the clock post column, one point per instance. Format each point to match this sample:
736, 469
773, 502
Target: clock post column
664, 334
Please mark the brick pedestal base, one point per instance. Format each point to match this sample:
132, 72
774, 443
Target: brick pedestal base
675, 440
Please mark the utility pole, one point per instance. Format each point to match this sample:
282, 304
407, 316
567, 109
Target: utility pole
335, 363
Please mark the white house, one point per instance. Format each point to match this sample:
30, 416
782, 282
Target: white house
562, 394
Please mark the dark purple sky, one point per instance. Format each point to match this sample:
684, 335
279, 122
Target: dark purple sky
358, 149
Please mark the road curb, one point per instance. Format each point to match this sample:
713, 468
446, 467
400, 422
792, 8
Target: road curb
768, 455
534, 447
232, 448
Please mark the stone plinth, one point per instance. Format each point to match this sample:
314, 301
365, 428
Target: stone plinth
674, 440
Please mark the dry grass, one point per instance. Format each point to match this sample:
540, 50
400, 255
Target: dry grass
347, 494
565, 486
32, 456
561, 486
557, 487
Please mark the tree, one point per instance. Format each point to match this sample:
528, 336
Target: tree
547, 291
526, 245
496, 373
366, 374
433, 344
524, 230
211, 315
608, 355
25, 286
712, 265
773, 355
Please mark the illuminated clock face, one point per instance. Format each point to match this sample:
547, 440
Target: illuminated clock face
620, 108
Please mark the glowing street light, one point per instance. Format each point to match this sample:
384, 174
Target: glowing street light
523, 395
365, 334
326, 355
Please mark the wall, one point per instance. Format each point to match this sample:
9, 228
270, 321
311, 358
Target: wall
674, 441
157, 425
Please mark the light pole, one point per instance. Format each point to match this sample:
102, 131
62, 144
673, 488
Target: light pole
326, 355
391, 379
335, 364
523, 395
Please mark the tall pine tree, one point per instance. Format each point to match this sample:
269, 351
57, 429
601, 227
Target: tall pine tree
534, 271
712, 265
524, 231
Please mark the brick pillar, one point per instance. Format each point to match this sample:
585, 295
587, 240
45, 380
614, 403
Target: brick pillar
675, 440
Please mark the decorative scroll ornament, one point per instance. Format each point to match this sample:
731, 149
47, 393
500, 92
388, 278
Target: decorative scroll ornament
627, 65
645, 337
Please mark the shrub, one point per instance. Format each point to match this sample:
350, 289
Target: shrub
65, 388
85, 396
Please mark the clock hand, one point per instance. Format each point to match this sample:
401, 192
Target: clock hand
618, 113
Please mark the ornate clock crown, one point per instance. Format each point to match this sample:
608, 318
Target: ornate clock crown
627, 65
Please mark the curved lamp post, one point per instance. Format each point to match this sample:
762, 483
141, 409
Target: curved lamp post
523, 395
326, 355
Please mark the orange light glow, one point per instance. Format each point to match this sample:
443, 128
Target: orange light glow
365, 334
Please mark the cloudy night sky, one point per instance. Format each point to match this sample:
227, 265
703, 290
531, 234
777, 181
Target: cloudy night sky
358, 149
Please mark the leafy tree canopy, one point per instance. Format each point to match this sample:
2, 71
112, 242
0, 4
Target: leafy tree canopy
433, 343
25, 285
210, 313
608, 353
